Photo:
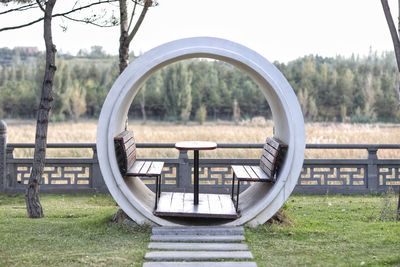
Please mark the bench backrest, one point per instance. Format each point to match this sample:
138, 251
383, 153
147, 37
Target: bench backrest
125, 150
272, 156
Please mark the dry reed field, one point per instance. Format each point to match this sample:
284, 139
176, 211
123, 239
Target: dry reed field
246, 132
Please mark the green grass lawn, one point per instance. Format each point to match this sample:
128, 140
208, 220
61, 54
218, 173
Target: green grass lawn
75, 232
325, 231
330, 231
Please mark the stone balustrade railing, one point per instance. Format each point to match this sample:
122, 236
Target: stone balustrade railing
319, 176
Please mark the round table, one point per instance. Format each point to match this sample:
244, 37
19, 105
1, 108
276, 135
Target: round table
195, 146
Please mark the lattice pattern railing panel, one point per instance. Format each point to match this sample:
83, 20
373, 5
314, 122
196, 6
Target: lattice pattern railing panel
333, 175
311, 175
215, 175
208, 175
58, 175
168, 176
370, 174
389, 175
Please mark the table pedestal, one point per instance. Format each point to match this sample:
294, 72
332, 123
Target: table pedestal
196, 177
195, 146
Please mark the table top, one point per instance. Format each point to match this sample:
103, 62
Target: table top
195, 145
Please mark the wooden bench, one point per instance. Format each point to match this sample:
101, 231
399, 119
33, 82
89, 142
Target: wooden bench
267, 170
125, 151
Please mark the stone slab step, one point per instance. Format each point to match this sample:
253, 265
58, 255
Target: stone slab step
197, 255
197, 238
197, 230
198, 246
200, 264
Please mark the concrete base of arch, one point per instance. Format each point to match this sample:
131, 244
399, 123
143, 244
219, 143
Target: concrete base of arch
260, 201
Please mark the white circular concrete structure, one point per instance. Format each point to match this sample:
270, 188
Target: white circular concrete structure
260, 201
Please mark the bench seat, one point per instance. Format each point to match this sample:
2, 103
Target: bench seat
266, 171
125, 152
250, 173
145, 168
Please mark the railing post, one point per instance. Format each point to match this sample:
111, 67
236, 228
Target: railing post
97, 178
373, 179
184, 172
3, 153
11, 171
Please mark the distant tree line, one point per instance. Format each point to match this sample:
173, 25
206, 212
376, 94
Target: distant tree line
355, 89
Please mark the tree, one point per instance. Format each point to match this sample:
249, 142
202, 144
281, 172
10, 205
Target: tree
127, 33
97, 52
201, 114
78, 101
34, 207
184, 77
236, 111
394, 33
127, 30
155, 94
304, 101
142, 101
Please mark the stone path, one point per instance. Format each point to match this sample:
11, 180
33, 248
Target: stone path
198, 247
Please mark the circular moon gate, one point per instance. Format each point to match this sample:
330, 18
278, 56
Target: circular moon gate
260, 201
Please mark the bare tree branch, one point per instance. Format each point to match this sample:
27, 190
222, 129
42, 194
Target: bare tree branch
132, 15
88, 21
21, 8
76, 3
57, 15
84, 7
22, 25
147, 4
5, 2
40, 5
143, 2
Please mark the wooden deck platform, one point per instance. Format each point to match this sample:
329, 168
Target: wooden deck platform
173, 204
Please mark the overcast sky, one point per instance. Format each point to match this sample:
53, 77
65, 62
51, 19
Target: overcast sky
278, 29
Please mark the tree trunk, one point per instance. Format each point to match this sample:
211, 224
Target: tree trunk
126, 37
124, 42
398, 207
34, 208
393, 31
143, 105
123, 39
